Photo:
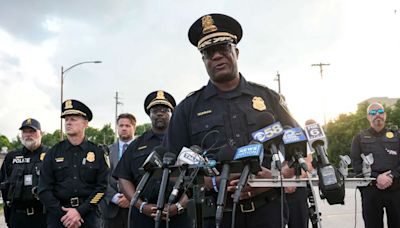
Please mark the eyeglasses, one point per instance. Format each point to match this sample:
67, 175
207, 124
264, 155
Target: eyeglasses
223, 49
374, 112
159, 109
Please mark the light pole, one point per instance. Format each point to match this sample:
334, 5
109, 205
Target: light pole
321, 65
62, 89
278, 78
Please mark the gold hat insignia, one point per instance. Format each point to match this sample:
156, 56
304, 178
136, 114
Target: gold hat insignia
259, 104
68, 104
90, 157
160, 95
208, 24
42, 155
29, 121
389, 135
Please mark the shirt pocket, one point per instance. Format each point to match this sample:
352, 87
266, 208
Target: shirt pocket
61, 171
89, 172
207, 130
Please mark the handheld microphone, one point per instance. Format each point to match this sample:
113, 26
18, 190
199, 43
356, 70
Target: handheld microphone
270, 136
168, 159
295, 145
330, 183
152, 161
225, 156
251, 155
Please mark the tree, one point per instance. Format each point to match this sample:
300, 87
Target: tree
140, 129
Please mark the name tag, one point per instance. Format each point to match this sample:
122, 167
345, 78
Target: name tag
28, 180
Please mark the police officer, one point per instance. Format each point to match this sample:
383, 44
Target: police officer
223, 114
159, 106
74, 173
20, 177
384, 144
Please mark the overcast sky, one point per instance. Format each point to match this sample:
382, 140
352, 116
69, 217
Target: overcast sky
144, 47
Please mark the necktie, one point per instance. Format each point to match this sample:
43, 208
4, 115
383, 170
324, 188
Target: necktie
123, 149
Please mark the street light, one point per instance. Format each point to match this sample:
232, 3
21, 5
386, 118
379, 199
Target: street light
62, 88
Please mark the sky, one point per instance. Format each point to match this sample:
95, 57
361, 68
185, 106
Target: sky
143, 47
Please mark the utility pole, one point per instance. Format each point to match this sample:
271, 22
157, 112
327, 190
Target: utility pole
278, 78
117, 102
321, 65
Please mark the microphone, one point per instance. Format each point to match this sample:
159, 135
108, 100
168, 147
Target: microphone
317, 141
186, 157
209, 161
152, 161
252, 155
270, 136
330, 183
295, 140
225, 156
168, 159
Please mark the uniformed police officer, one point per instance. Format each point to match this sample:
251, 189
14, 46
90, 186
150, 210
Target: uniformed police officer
20, 177
159, 106
74, 173
224, 113
384, 144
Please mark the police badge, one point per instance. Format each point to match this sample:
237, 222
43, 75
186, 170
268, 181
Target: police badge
259, 104
90, 157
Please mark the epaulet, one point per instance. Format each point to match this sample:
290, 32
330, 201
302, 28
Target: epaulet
257, 85
191, 93
264, 87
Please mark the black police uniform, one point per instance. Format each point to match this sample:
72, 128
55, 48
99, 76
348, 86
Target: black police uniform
213, 119
385, 147
128, 168
20, 177
74, 177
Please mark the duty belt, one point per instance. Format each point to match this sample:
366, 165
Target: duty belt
250, 205
73, 202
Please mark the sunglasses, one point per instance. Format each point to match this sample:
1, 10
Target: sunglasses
223, 49
155, 110
374, 112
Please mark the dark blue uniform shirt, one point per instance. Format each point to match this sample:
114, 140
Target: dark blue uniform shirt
73, 171
213, 119
132, 160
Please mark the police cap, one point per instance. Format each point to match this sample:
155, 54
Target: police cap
75, 107
31, 123
159, 97
214, 29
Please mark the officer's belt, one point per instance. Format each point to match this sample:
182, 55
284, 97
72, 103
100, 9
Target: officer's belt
34, 210
250, 205
73, 202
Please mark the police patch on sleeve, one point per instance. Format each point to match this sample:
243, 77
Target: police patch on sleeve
90, 157
258, 104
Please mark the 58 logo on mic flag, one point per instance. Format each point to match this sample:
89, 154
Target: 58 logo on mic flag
268, 132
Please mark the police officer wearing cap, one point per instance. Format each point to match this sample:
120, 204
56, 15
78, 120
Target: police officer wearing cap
384, 144
74, 173
159, 106
20, 177
223, 114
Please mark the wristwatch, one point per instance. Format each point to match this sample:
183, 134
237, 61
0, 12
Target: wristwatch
180, 208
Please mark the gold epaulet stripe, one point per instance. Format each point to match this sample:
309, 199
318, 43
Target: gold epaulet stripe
97, 198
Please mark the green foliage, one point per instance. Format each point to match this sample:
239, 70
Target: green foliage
4, 141
104, 136
140, 129
49, 139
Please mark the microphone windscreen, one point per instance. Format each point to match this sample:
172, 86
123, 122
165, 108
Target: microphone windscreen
160, 150
197, 149
225, 154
